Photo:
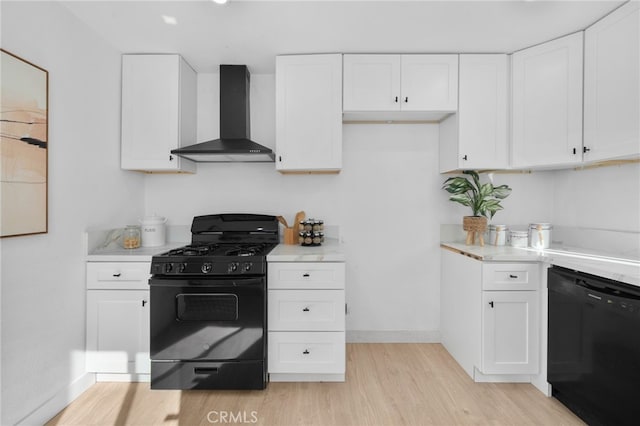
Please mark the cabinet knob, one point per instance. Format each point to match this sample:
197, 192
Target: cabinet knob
144, 302
305, 310
170, 157
406, 99
396, 101
280, 158
464, 157
491, 304
585, 149
513, 276
305, 352
574, 151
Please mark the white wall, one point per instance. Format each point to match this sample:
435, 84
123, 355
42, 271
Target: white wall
43, 290
604, 198
387, 201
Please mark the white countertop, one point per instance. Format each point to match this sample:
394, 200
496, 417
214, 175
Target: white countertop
329, 251
118, 254
589, 261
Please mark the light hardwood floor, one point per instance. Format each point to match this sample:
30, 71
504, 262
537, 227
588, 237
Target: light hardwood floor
387, 384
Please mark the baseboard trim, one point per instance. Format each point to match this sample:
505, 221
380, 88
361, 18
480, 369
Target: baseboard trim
393, 336
59, 401
103, 377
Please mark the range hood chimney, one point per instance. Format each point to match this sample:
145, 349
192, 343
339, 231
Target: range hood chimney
234, 144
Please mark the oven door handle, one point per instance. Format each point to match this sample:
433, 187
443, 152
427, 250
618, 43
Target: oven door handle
206, 282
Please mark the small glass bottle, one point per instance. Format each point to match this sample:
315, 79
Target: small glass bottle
131, 237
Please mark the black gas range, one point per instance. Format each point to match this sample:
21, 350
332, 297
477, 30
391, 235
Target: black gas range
208, 305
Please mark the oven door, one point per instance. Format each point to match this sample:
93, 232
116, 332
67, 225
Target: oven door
208, 319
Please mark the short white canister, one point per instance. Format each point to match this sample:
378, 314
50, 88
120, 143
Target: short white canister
153, 230
539, 235
518, 238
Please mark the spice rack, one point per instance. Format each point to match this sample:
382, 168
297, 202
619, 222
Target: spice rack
311, 232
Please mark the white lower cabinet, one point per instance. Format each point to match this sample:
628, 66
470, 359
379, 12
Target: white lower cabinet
118, 320
490, 320
510, 328
306, 321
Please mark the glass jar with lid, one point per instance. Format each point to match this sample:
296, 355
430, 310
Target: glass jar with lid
131, 237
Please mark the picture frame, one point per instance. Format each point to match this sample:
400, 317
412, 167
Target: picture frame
24, 147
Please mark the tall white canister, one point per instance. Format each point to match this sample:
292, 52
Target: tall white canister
540, 235
153, 230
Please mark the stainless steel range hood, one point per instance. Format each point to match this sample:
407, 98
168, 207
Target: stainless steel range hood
235, 133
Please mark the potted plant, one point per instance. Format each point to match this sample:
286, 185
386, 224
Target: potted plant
484, 200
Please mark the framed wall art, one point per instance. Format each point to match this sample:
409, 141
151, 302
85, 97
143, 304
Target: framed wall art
24, 146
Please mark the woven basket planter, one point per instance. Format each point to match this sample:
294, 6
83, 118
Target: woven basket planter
474, 223
475, 226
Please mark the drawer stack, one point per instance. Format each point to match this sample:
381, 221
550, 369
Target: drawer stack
306, 321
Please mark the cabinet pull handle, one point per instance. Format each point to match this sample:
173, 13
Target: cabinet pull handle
396, 101
117, 275
406, 99
306, 275
305, 310
170, 157
305, 352
280, 158
574, 151
585, 149
205, 370
144, 302
464, 157
491, 304
513, 276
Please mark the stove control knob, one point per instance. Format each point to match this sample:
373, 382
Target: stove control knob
247, 266
168, 267
182, 267
206, 268
233, 266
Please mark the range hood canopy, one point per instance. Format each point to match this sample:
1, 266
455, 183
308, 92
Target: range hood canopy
235, 133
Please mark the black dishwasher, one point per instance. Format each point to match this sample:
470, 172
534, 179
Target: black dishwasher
594, 346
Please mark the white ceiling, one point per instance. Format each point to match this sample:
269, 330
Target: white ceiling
253, 32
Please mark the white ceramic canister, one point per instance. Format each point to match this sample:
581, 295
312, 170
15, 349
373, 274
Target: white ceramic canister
518, 238
498, 235
153, 230
539, 235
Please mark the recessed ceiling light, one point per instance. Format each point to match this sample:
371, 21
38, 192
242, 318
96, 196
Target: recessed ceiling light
169, 20
220, 1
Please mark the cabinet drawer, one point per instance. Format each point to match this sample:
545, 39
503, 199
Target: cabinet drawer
301, 275
118, 275
307, 352
312, 310
510, 276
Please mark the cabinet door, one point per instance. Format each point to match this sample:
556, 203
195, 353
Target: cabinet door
158, 111
371, 82
309, 113
429, 82
510, 332
118, 331
612, 85
476, 137
547, 103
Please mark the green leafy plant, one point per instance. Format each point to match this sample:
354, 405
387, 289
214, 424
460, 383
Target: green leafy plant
484, 199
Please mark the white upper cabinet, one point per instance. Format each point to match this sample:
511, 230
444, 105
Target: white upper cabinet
309, 113
547, 103
407, 87
158, 112
611, 85
476, 137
